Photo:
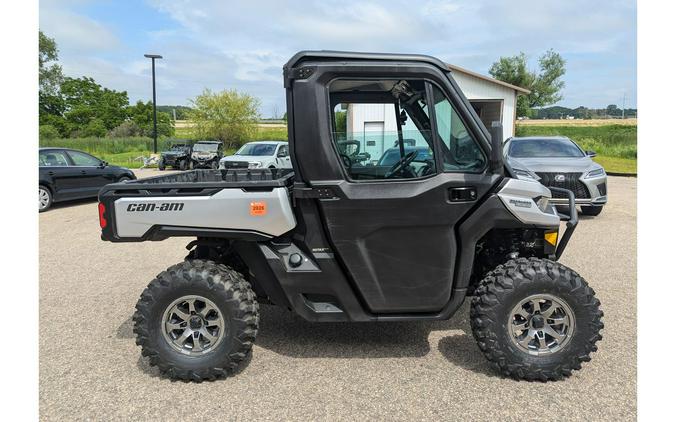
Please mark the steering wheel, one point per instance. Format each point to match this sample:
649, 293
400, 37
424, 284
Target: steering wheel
346, 160
401, 164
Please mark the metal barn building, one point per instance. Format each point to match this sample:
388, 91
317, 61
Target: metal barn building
492, 99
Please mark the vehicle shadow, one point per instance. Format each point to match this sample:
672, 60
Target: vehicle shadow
72, 203
287, 334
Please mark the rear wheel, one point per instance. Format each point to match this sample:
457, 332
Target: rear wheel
197, 320
536, 319
44, 198
182, 165
123, 179
591, 210
160, 165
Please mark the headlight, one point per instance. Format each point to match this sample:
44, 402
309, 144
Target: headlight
254, 164
595, 173
542, 203
525, 174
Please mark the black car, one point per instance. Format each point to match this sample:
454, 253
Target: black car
178, 157
70, 174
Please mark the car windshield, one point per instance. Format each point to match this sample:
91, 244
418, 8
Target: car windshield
392, 156
205, 147
257, 149
531, 148
178, 147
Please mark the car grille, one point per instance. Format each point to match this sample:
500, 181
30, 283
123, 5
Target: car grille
236, 164
571, 182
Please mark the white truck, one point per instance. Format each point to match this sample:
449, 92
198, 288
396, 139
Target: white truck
259, 155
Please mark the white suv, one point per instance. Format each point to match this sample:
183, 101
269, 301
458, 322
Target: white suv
259, 154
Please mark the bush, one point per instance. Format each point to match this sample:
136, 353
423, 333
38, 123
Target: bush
48, 132
125, 130
95, 128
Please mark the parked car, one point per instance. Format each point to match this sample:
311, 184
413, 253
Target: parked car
558, 161
67, 174
178, 157
206, 154
259, 154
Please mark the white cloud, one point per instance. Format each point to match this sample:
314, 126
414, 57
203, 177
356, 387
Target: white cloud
75, 32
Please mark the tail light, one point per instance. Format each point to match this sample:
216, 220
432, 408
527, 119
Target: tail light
101, 215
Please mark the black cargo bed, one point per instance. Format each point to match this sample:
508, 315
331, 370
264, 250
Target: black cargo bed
201, 182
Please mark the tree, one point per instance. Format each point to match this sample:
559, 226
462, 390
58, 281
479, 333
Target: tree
140, 115
85, 100
545, 85
50, 76
229, 116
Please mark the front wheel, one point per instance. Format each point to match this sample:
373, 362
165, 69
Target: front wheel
161, 165
44, 198
182, 165
591, 210
197, 320
536, 319
214, 164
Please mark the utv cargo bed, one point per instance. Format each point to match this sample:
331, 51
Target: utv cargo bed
247, 204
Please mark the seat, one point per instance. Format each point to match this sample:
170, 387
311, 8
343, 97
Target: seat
51, 160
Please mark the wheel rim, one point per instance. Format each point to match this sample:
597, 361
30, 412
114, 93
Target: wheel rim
193, 325
43, 198
541, 324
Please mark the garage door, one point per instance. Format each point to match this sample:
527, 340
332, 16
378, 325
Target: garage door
373, 135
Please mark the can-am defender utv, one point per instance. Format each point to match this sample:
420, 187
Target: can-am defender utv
335, 241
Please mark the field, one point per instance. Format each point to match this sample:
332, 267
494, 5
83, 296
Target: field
615, 144
578, 122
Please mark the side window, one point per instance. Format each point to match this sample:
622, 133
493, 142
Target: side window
283, 151
459, 150
382, 129
84, 160
53, 159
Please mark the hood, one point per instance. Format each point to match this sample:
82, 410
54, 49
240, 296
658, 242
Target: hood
246, 157
554, 164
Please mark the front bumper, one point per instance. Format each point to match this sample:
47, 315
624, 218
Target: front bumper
597, 190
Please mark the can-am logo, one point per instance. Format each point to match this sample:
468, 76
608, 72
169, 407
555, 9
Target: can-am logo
519, 203
166, 206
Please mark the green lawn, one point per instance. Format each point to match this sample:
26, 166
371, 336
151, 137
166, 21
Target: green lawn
617, 165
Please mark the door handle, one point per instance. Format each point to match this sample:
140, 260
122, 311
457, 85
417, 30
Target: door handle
83, 171
463, 194
51, 173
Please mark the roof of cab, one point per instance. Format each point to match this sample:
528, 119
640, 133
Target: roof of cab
329, 55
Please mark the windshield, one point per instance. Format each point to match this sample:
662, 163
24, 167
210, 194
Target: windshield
531, 148
178, 147
257, 149
205, 147
393, 156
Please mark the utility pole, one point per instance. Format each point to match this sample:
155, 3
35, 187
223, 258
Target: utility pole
154, 101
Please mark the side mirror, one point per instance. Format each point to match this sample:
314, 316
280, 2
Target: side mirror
496, 155
282, 154
591, 153
103, 164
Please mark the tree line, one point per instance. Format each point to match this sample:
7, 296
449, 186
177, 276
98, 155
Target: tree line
558, 112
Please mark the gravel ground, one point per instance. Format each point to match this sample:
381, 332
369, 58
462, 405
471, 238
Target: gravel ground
90, 367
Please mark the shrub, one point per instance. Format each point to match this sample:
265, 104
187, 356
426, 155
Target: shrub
125, 130
95, 128
48, 132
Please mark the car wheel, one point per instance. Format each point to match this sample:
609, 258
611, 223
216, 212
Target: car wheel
191, 165
44, 198
161, 166
591, 210
123, 179
197, 320
182, 165
535, 319
214, 164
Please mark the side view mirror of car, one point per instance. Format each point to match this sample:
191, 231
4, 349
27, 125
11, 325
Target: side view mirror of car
591, 153
103, 164
282, 154
496, 155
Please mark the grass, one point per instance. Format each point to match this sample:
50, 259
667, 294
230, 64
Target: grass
615, 144
577, 122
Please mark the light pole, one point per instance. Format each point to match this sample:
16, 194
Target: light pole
154, 100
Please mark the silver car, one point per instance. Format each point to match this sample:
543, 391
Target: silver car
559, 162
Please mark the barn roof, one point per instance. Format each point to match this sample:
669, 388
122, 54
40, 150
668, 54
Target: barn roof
455, 68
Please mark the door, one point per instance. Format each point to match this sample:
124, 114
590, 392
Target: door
283, 159
93, 176
56, 168
373, 138
393, 228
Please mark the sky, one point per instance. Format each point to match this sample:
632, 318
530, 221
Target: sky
231, 44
